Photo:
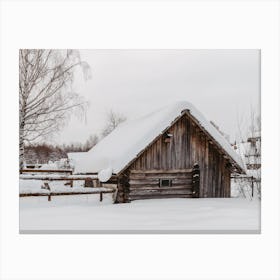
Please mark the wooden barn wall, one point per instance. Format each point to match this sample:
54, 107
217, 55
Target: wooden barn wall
146, 184
189, 145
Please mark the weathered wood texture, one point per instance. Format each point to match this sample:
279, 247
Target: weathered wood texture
49, 195
175, 160
123, 188
195, 181
31, 170
146, 183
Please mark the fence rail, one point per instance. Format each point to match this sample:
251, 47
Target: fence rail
31, 170
71, 178
55, 177
50, 194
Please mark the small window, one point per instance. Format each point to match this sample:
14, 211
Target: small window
165, 182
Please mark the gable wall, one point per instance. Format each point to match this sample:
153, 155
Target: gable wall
189, 145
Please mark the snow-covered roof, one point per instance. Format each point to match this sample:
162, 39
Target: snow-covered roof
73, 156
122, 145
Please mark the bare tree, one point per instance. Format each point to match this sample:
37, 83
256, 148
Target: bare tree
45, 94
113, 120
253, 152
91, 142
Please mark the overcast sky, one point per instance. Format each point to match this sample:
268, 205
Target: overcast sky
222, 84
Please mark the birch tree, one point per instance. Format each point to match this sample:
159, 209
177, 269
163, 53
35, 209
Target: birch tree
46, 98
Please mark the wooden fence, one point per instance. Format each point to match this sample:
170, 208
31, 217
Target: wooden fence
32, 170
98, 188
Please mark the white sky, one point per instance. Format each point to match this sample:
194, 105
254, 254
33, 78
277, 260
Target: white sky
223, 84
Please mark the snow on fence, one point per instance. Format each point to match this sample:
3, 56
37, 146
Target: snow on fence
56, 177
50, 193
46, 190
32, 170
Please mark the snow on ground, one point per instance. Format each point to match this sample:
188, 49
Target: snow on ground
87, 213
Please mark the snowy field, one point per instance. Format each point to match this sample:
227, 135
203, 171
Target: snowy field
85, 213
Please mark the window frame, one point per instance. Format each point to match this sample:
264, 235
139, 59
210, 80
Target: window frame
165, 179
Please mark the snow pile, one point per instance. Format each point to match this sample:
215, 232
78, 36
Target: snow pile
74, 157
105, 174
121, 146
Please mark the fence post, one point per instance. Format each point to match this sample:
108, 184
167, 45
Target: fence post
88, 183
252, 186
46, 186
195, 181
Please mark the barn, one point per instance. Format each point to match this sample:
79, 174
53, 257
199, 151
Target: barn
172, 152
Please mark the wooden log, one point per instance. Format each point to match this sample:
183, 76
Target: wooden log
142, 187
187, 181
64, 193
161, 176
144, 182
156, 196
56, 177
161, 192
183, 187
123, 188
31, 170
174, 186
145, 185
196, 181
160, 171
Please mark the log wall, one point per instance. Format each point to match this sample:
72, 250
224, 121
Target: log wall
146, 184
